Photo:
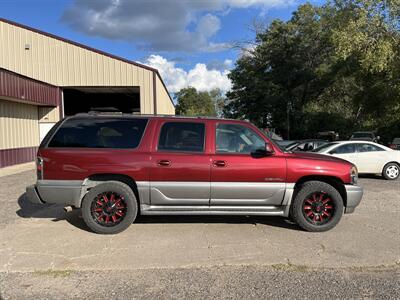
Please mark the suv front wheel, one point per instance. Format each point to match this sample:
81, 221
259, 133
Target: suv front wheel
109, 207
317, 206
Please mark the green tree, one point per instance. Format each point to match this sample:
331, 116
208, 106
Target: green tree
190, 102
340, 59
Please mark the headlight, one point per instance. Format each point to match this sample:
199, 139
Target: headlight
354, 175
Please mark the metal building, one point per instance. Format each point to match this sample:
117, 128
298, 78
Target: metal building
44, 77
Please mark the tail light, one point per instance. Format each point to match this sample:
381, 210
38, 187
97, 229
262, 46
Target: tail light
354, 174
39, 168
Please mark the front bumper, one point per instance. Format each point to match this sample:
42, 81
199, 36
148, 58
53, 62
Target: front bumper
354, 196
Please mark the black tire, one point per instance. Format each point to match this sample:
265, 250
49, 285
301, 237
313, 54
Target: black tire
391, 171
98, 222
301, 208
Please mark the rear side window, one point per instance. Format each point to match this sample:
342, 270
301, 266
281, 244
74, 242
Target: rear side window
182, 137
368, 148
99, 133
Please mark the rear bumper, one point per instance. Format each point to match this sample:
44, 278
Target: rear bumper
33, 195
354, 196
65, 192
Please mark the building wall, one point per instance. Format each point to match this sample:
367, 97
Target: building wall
49, 114
18, 125
64, 64
163, 107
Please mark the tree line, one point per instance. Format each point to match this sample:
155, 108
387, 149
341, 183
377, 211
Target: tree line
331, 67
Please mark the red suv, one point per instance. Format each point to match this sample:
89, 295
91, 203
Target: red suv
115, 167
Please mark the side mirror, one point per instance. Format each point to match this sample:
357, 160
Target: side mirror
269, 150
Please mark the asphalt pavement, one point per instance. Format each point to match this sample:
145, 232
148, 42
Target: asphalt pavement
51, 254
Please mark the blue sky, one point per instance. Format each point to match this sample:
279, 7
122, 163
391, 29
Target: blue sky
187, 40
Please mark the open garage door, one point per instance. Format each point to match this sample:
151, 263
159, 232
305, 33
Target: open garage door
83, 99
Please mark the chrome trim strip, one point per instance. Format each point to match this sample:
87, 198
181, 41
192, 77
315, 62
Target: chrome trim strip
144, 191
287, 200
206, 210
179, 193
247, 193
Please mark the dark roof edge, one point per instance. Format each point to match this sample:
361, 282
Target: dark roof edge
88, 48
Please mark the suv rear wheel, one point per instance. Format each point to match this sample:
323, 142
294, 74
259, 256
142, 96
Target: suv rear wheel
317, 206
109, 207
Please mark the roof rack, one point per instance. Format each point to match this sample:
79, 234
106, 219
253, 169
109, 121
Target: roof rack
104, 110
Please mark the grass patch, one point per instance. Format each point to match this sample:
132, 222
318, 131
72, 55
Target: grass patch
53, 273
290, 267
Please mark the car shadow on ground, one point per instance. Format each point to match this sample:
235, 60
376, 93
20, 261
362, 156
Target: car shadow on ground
371, 176
254, 220
49, 211
56, 213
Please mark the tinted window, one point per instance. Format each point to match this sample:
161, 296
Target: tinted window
182, 136
323, 147
347, 148
362, 135
368, 148
234, 138
99, 133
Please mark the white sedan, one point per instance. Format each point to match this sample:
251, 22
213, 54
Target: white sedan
369, 157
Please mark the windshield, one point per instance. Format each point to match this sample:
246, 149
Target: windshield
362, 134
323, 147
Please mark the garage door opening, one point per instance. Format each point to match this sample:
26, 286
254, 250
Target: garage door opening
84, 99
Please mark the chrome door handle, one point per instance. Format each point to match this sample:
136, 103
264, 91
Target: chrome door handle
164, 163
219, 163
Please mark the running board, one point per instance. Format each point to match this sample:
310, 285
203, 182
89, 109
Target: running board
214, 210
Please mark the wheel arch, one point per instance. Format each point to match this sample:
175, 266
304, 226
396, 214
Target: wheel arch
336, 182
102, 177
391, 162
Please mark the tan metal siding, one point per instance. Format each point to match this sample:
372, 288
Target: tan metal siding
49, 114
164, 105
18, 125
63, 64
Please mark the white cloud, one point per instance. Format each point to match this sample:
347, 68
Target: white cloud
159, 25
200, 77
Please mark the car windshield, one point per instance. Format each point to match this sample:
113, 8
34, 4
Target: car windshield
396, 141
362, 135
323, 147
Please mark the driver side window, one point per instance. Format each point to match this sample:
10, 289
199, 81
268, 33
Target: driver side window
235, 138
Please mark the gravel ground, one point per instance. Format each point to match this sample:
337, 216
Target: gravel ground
247, 282
48, 254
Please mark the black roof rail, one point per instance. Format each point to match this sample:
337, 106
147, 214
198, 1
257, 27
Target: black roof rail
104, 110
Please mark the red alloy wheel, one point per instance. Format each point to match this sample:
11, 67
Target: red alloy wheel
108, 209
318, 208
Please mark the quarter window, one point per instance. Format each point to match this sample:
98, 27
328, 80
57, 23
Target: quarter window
344, 149
99, 133
182, 137
234, 138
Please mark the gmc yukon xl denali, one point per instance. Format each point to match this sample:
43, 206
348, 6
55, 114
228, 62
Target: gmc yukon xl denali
114, 167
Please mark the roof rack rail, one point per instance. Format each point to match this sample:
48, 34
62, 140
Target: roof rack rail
104, 110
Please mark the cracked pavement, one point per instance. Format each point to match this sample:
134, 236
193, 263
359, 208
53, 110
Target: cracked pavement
43, 238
